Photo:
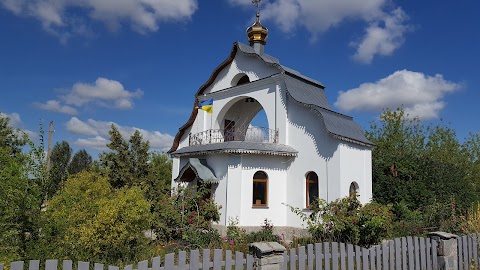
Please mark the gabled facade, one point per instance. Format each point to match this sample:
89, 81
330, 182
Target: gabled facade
305, 151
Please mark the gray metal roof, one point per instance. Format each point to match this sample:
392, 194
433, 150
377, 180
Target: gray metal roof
305, 92
237, 147
202, 171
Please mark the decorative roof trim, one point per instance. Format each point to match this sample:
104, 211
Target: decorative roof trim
236, 151
196, 165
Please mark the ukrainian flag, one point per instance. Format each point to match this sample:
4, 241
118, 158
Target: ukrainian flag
206, 105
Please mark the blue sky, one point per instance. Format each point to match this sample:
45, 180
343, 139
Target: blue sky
87, 63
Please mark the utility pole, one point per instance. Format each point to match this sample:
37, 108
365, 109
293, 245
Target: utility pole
49, 150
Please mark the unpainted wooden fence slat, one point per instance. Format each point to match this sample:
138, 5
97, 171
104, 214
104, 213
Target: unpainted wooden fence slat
238, 260
398, 258
68, 265
378, 257
35, 265
194, 256
343, 255
470, 251
318, 256
293, 259
182, 260
228, 260
301, 258
250, 261
170, 261
385, 256
335, 255
156, 262
16, 265
475, 250
285, 261
460, 253
410, 249
326, 257
434, 255
310, 256
423, 259
51, 264
99, 266
143, 265
358, 258
391, 252
417, 253
350, 256
372, 259
217, 259
404, 253
206, 259
465, 252
86, 266
429, 253
365, 259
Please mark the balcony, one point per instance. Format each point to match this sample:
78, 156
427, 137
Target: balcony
251, 134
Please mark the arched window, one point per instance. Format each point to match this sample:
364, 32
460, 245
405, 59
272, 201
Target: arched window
353, 190
312, 188
243, 80
260, 189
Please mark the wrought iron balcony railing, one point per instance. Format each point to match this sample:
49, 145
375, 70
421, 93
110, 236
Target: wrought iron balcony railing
252, 134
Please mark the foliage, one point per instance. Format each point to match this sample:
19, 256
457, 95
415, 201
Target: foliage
346, 220
59, 160
264, 235
88, 220
423, 168
186, 209
20, 194
80, 162
159, 177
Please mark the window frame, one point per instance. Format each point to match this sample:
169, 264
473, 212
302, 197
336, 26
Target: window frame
309, 182
260, 180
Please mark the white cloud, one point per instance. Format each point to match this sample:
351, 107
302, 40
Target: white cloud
104, 92
419, 94
385, 26
382, 40
55, 106
142, 15
16, 122
158, 140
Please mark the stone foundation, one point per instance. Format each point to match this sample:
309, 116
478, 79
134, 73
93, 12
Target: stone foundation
288, 232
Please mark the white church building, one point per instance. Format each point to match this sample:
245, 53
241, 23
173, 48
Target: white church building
305, 151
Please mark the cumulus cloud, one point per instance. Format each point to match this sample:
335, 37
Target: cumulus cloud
421, 95
382, 39
55, 106
16, 122
142, 15
103, 92
385, 26
100, 129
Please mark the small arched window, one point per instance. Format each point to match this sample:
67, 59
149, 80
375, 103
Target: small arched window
243, 80
353, 190
311, 188
260, 189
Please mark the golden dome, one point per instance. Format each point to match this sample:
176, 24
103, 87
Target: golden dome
257, 33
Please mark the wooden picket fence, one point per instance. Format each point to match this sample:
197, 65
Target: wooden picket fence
406, 253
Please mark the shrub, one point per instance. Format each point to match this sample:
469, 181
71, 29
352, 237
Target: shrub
346, 220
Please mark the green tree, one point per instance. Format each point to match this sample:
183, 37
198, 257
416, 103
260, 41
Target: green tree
59, 160
20, 195
88, 220
80, 162
159, 177
420, 168
127, 163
